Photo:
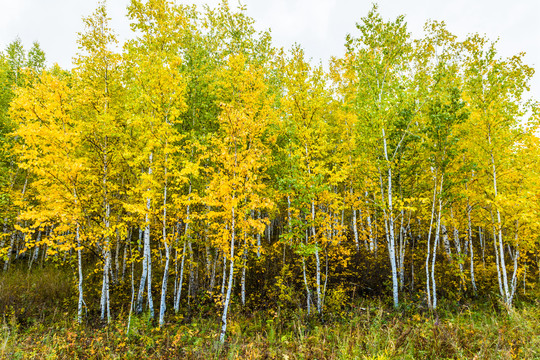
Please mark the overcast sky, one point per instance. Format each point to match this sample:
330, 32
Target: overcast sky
319, 26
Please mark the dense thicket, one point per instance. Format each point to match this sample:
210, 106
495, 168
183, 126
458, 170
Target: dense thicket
202, 165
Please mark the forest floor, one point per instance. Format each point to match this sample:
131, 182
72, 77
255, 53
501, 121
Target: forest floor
39, 322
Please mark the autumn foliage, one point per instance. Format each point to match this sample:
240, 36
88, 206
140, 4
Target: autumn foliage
199, 166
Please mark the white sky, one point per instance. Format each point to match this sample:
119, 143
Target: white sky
319, 26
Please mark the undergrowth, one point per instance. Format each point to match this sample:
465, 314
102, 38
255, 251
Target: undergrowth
38, 324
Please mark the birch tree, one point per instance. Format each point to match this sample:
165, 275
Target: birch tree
495, 89
380, 56
99, 93
235, 189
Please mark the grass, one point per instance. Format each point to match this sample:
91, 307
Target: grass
35, 296
367, 330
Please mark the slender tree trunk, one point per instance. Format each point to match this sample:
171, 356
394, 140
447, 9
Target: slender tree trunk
289, 213
355, 224
514, 274
317, 259
132, 289
124, 256
372, 241
434, 255
224, 276
390, 221
5, 231
514, 278
230, 284
44, 252
308, 292
243, 281
142, 284
446, 243
471, 248
186, 237
506, 294
148, 249
163, 303
149, 270
140, 242
80, 285
35, 255
401, 251
258, 236
428, 256
181, 280
482, 245
389, 231
497, 256
105, 300
207, 260
192, 265
457, 243
213, 276
116, 260
105, 303
325, 276
146, 278
525, 279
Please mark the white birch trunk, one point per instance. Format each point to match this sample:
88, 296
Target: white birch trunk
482, 245
372, 242
317, 259
124, 256
514, 274
434, 256
132, 291
142, 284
258, 236
213, 275
354, 224
80, 285
163, 303
499, 278
514, 278
390, 220
105, 304
35, 255
116, 260
224, 276
147, 248
230, 284
471, 248
308, 292
428, 256
389, 228
446, 243
5, 231
243, 280
459, 253
401, 251
180, 281
506, 294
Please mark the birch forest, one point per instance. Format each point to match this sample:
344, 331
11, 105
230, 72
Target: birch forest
197, 173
